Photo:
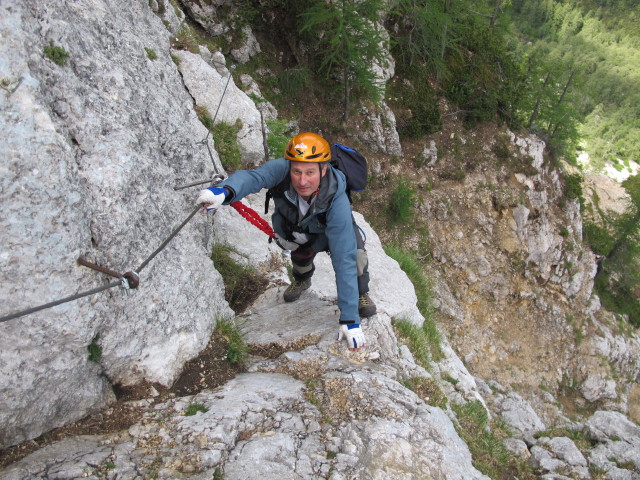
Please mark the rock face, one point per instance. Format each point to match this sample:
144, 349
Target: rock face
515, 282
207, 84
316, 411
91, 150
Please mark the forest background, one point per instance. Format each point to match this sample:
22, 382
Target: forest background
566, 70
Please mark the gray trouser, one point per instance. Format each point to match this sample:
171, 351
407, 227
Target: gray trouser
303, 267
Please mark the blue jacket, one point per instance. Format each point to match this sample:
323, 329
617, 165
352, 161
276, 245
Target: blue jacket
329, 221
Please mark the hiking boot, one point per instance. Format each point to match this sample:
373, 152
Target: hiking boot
366, 307
293, 291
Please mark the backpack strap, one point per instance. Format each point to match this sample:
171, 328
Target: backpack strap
276, 192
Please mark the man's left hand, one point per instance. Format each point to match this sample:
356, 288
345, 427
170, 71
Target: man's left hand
355, 336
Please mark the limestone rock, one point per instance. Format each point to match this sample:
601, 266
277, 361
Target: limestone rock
91, 150
382, 135
206, 14
250, 47
605, 425
519, 415
597, 387
207, 85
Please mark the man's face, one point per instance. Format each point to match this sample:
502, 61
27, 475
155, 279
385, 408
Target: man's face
305, 177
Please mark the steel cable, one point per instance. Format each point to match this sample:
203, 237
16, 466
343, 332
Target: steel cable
131, 278
122, 278
59, 302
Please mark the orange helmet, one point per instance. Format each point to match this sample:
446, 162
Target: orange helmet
308, 147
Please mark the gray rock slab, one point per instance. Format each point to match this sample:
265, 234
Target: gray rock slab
519, 415
564, 449
73, 457
518, 447
274, 321
207, 85
607, 425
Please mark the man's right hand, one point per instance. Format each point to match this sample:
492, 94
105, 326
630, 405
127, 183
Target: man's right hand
211, 198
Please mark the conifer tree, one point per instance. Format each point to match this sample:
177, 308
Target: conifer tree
618, 277
350, 42
423, 28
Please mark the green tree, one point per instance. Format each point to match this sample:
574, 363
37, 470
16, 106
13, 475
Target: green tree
485, 79
420, 27
351, 41
595, 41
618, 277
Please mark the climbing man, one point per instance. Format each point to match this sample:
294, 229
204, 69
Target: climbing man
312, 214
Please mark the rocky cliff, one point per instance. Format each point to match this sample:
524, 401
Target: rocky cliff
93, 144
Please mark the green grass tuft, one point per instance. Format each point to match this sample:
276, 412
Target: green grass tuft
151, 54
225, 136
95, 350
57, 55
486, 442
276, 138
237, 349
242, 284
427, 389
194, 408
401, 203
426, 339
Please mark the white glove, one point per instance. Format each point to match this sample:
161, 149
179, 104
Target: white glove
286, 244
354, 334
211, 198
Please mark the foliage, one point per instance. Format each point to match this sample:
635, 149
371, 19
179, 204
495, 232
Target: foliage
484, 79
599, 239
401, 202
415, 102
241, 283
573, 187
596, 43
422, 33
550, 106
56, 54
618, 240
294, 81
617, 286
276, 138
485, 441
501, 149
350, 41
427, 389
225, 136
151, 54
194, 408
94, 349
237, 348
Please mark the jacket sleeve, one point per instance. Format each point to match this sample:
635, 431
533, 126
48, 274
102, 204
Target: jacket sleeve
342, 245
245, 182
